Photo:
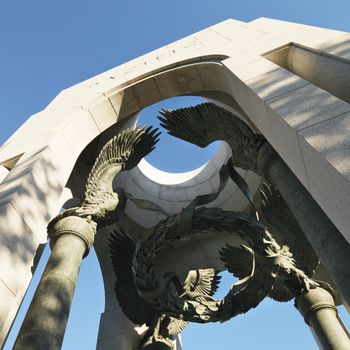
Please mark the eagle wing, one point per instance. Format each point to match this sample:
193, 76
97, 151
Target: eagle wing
122, 152
279, 292
207, 122
176, 326
238, 261
247, 298
137, 309
201, 124
202, 281
255, 282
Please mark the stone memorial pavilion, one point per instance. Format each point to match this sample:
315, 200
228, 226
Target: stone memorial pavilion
272, 205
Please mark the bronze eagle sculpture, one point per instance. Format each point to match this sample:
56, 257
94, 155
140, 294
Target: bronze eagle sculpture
123, 152
161, 327
205, 123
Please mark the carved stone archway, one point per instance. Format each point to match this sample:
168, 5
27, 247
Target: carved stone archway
240, 65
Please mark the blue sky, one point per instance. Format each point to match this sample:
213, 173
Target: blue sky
47, 46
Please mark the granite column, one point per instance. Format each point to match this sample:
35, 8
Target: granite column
325, 238
319, 312
45, 323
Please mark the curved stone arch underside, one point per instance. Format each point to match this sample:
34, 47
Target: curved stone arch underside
224, 63
173, 191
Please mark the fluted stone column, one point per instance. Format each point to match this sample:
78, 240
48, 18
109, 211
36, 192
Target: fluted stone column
46, 319
319, 312
325, 238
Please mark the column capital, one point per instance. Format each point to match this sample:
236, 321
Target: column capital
313, 300
75, 225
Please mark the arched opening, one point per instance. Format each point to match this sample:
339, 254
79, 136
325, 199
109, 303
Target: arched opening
173, 155
204, 81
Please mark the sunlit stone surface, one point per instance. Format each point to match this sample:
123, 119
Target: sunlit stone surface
305, 120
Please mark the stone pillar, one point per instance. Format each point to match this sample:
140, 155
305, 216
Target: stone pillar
320, 313
325, 238
46, 319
